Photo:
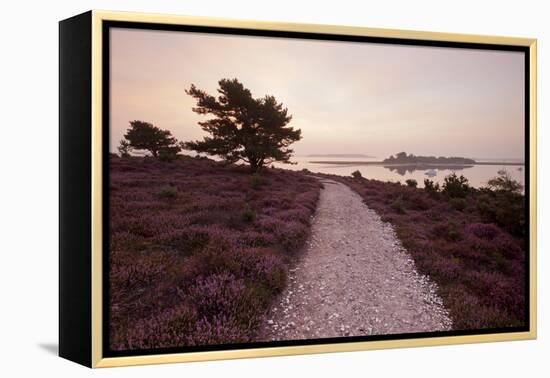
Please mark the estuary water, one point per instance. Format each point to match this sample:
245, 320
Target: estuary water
477, 175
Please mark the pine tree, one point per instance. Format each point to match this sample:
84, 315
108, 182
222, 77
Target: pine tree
246, 129
144, 136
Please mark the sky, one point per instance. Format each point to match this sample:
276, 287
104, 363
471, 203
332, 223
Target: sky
346, 97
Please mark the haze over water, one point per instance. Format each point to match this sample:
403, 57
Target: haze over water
346, 97
477, 175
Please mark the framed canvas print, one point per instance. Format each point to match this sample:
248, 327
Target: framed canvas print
235, 189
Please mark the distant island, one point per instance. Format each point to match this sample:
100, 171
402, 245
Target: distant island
404, 158
410, 161
342, 155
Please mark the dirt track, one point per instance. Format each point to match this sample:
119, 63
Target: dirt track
353, 279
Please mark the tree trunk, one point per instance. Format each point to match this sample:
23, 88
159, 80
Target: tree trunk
254, 163
259, 167
254, 167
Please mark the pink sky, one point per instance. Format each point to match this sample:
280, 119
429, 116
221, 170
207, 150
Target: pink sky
346, 97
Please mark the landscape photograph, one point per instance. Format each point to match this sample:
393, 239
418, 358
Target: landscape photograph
266, 190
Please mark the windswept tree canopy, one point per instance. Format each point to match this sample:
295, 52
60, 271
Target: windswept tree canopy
144, 136
245, 129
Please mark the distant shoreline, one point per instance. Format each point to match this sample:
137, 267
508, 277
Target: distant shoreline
386, 164
339, 156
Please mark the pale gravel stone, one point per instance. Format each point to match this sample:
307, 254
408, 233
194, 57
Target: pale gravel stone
353, 279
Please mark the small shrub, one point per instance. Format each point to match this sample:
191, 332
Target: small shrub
168, 191
124, 148
167, 155
305, 170
456, 186
252, 238
217, 294
418, 202
411, 183
431, 188
458, 203
398, 205
292, 235
504, 208
448, 231
249, 215
255, 180
504, 182
356, 174
483, 231
186, 241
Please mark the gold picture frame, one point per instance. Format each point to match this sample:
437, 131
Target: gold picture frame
90, 329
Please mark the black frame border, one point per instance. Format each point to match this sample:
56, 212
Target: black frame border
105, 98
75, 180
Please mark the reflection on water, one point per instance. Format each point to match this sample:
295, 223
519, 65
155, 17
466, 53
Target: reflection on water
477, 175
429, 170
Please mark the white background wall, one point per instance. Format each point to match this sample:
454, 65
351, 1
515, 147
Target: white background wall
28, 211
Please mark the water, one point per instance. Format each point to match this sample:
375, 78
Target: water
477, 175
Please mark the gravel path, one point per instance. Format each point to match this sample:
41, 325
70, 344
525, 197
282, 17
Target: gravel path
353, 279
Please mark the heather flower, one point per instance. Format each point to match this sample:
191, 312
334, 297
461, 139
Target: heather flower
474, 250
190, 270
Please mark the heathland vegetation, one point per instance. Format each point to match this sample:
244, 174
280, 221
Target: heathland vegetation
470, 241
200, 248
